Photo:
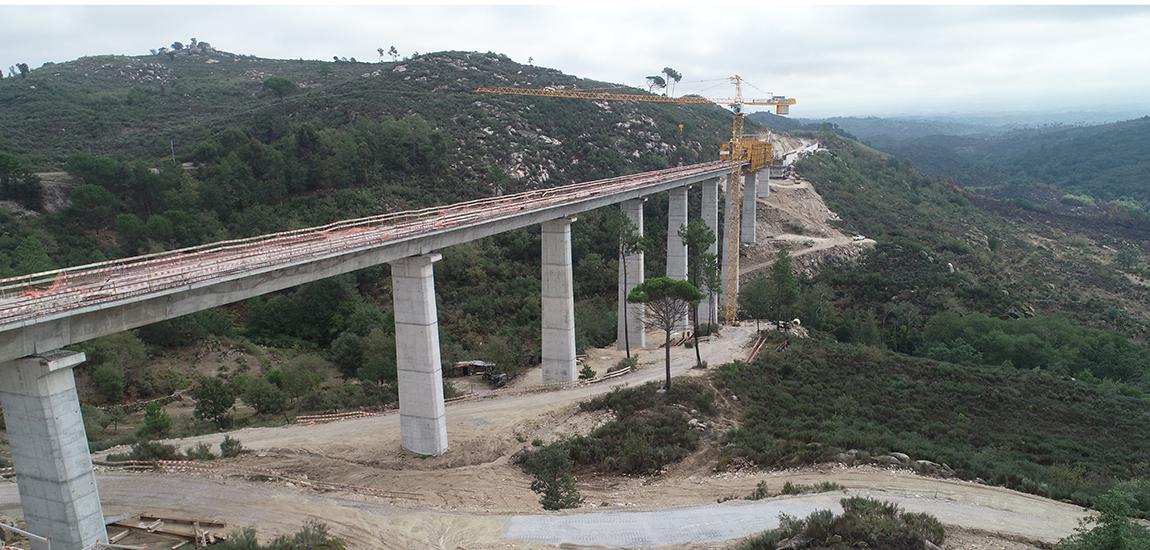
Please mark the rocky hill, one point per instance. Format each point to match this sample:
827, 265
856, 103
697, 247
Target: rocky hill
143, 107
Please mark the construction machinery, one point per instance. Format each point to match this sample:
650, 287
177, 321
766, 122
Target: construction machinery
746, 155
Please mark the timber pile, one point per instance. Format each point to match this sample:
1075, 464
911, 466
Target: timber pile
333, 417
762, 339
610, 375
166, 532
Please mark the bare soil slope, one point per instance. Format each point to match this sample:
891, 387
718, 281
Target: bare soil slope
794, 217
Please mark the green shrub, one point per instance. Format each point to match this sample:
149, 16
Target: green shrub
303, 374
149, 451
641, 443
586, 373
200, 452
551, 467
157, 423
761, 491
624, 363
1112, 528
313, 536
801, 489
864, 523
689, 392
707, 329
214, 401
265, 397
230, 447
109, 381
1071, 199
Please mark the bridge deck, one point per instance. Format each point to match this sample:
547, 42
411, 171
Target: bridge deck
30, 299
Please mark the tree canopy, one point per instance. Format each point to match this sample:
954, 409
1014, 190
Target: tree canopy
667, 301
280, 86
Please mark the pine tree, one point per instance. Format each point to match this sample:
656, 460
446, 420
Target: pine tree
30, 256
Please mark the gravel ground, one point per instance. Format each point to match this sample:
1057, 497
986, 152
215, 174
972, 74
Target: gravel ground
737, 519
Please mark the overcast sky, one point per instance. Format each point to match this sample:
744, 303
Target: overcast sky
836, 60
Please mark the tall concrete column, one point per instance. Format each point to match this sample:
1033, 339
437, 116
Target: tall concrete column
676, 249
558, 303
422, 419
632, 330
730, 249
765, 185
750, 204
710, 215
50, 450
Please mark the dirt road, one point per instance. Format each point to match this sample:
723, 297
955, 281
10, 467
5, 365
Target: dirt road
471, 496
366, 522
479, 430
795, 217
740, 518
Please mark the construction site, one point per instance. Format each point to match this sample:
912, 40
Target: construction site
438, 471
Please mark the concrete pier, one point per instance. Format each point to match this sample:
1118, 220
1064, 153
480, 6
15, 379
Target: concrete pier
765, 185
633, 313
730, 249
558, 303
750, 206
676, 249
50, 450
422, 420
710, 215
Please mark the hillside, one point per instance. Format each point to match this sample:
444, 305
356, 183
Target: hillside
1106, 162
136, 107
412, 132
1003, 264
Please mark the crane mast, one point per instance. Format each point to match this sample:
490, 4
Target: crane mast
745, 155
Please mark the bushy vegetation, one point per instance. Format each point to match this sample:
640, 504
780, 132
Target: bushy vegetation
649, 432
650, 429
157, 422
231, 447
1112, 528
554, 481
865, 523
147, 450
940, 249
1025, 429
1048, 343
313, 536
763, 491
1094, 162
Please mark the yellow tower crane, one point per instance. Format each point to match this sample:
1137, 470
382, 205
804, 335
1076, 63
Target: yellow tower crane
746, 155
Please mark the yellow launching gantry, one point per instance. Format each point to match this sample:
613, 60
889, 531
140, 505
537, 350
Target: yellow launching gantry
751, 155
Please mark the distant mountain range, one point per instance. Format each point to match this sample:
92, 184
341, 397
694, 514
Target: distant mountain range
1107, 161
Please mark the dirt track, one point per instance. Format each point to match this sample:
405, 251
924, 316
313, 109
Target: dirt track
367, 522
467, 497
795, 217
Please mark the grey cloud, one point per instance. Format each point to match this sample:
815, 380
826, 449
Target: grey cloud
835, 59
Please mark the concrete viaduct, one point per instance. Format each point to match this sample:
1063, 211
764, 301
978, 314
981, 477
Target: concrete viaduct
40, 314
